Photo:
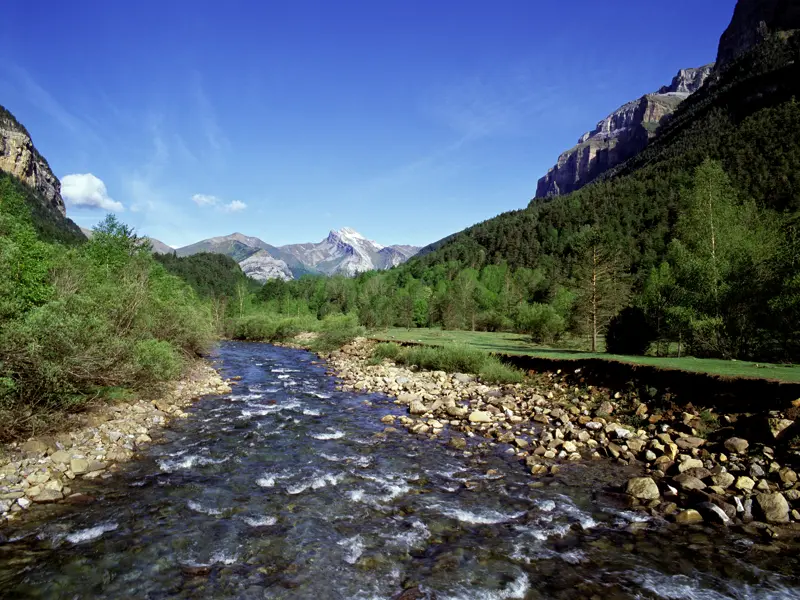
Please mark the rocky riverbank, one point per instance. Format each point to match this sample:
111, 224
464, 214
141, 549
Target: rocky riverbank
696, 466
49, 469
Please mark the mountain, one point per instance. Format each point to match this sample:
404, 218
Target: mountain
619, 136
752, 22
746, 117
343, 252
20, 159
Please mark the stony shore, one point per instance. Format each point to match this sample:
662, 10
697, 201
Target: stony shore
49, 469
695, 466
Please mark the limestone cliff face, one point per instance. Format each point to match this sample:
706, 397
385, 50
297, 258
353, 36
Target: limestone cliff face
752, 21
19, 156
619, 136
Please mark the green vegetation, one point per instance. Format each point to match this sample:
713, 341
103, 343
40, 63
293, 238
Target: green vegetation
452, 359
509, 343
83, 322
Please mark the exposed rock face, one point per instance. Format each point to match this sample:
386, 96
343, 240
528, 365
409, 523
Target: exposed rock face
752, 21
261, 267
621, 135
20, 157
344, 252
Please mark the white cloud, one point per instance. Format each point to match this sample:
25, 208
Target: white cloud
205, 200
208, 200
234, 206
87, 191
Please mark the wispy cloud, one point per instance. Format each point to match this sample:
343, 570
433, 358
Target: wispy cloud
206, 200
215, 137
488, 106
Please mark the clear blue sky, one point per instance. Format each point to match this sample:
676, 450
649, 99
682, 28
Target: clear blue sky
406, 120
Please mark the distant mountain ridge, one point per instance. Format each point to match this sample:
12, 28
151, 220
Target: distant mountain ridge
342, 252
619, 136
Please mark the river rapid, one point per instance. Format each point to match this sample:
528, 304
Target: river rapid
287, 488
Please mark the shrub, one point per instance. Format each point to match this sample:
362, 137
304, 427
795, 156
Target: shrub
156, 361
542, 321
629, 333
494, 371
385, 350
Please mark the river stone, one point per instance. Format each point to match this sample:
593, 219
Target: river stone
407, 398
34, 448
24, 502
458, 442
643, 488
48, 495
713, 513
388, 419
778, 427
688, 443
61, 457
788, 476
480, 416
773, 507
723, 480
417, 407
463, 378
690, 463
79, 466
737, 445
606, 408
688, 482
636, 445
570, 447
744, 483
688, 516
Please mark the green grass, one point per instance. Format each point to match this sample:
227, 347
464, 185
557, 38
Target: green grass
512, 343
458, 358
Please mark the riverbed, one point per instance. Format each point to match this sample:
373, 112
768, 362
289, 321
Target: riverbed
289, 488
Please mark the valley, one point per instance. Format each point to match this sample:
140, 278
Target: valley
595, 394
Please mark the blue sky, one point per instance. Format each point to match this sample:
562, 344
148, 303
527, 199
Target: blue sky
406, 120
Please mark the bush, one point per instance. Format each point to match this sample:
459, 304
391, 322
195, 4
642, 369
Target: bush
386, 350
629, 333
542, 321
494, 371
458, 359
156, 361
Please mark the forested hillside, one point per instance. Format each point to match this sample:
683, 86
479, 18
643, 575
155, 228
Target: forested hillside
692, 246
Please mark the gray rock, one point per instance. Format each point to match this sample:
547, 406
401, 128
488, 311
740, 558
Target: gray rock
48, 495
417, 407
723, 480
688, 516
643, 488
737, 445
458, 442
34, 448
688, 483
79, 466
773, 507
778, 427
606, 408
688, 443
479, 416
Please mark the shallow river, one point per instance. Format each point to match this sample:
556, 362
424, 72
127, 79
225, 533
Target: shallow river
284, 490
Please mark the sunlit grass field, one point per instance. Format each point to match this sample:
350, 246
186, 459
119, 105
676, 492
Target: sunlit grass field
514, 343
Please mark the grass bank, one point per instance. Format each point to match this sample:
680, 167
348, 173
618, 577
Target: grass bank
518, 344
452, 359
329, 333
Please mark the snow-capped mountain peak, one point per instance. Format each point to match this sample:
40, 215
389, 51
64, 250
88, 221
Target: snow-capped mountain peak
353, 238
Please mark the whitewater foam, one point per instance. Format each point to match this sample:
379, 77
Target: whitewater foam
354, 547
197, 507
84, 535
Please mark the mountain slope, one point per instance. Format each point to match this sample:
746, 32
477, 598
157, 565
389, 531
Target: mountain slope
619, 136
745, 117
344, 252
25, 168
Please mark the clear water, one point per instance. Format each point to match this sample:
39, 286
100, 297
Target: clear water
286, 489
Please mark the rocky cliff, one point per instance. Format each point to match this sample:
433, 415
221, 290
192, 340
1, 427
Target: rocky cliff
20, 157
752, 22
619, 136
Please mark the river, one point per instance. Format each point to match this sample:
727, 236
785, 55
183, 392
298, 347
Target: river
288, 489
